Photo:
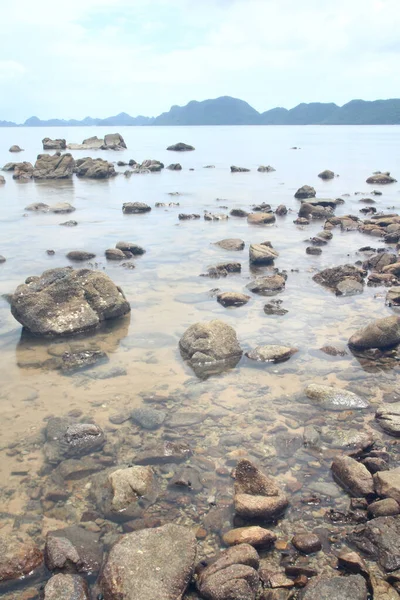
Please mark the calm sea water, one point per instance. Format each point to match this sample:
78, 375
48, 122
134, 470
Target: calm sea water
165, 290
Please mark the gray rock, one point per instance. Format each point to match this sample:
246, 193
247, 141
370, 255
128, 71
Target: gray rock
94, 168
22, 171
232, 299
336, 588
349, 287
388, 417
60, 553
379, 539
19, 557
114, 141
79, 360
271, 353
235, 169
166, 452
129, 208
382, 333
86, 544
80, 255
15, 148
69, 224
58, 144
381, 178
332, 398
332, 277
261, 218
268, 285
306, 191
114, 254
215, 216
66, 439
174, 167
308, 543
231, 244
148, 564
185, 418
262, 254
387, 484
2, 180
66, 587
352, 476
58, 166
148, 418
180, 147
384, 508
327, 174
238, 212
266, 169
130, 247
393, 296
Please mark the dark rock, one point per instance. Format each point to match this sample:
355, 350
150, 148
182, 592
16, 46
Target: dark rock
75, 541
274, 308
381, 178
66, 439
94, 168
388, 417
379, 539
333, 277
69, 223
135, 208
384, 508
167, 452
49, 144
22, 171
313, 250
308, 543
215, 216
232, 299
281, 210
175, 167
267, 169
80, 255
261, 218
130, 247
382, 333
187, 217
327, 174
306, 191
114, 254
235, 169
180, 147
238, 212
231, 244
267, 286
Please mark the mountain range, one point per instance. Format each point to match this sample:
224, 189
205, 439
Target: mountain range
232, 111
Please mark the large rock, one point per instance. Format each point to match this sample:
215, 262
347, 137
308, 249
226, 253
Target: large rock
306, 191
261, 218
388, 417
15, 148
23, 171
333, 398
381, 178
135, 208
66, 587
180, 147
94, 168
68, 439
379, 539
333, 277
382, 333
114, 141
387, 484
211, 345
66, 301
58, 144
268, 285
231, 244
58, 166
271, 353
74, 548
352, 476
262, 254
92, 143
19, 556
352, 587
327, 174
232, 299
148, 564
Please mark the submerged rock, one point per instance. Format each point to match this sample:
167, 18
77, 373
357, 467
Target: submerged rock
254, 535
382, 333
231, 244
271, 353
66, 587
174, 167
66, 301
388, 417
306, 191
281, 210
166, 452
268, 285
67, 439
379, 539
130, 247
74, 548
333, 398
148, 418
135, 208
19, 556
308, 543
338, 279
352, 476
238, 212
336, 588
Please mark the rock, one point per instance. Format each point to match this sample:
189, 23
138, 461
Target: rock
66, 301
61, 208
213, 343
148, 418
235, 169
66, 587
222, 270
381, 589
378, 261
308, 543
238, 212
167, 452
384, 508
15, 148
327, 174
387, 484
180, 147
23, 171
114, 254
2, 180
257, 496
381, 178
66, 439
332, 277
382, 333
185, 418
130, 247
393, 296
232, 299
271, 353
78, 360
267, 169
129, 208
349, 287
352, 476
281, 210
175, 167
351, 561
75, 542
60, 553
58, 166
255, 536
261, 218
92, 143
148, 166
114, 141
58, 144
94, 168
215, 216
388, 417
313, 250
267, 286
19, 556
379, 539
261, 254
333, 398
306, 191
80, 255
274, 308
186, 217
69, 224
336, 588
231, 244
148, 564
301, 221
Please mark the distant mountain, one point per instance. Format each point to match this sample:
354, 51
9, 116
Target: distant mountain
232, 111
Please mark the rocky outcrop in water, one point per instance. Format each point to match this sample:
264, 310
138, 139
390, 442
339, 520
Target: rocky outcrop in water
306, 191
58, 144
112, 141
231, 244
327, 174
381, 178
271, 353
336, 588
232, 299
57, 166
180, 147
21, 171
388, 417
352, 476
268, 285
15, 148
266, 169
382, 333
65, 438
135, 208
65, 302
235, 169
260, 218
344, 280
94, 168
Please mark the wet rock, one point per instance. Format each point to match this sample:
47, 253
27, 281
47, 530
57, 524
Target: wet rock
384, 508
388, 417
257, 496
175, 167
180, 147
352, 476
66, 301
19, 556
393, 296
261, 218
332, 398
238, 212
58, 144
347, 439
387, 484
327, 174
215, 216
82, 543
381, 589
92, 143
66, 439
271, 353
114, 141
61, 208
281, 210
382, 333
187, 217
235, 169
313, 250
351, 561
267, 286
15, 148
66, 587
94, 168
69, 224
114, 254
379, 539
275, 308
306, 191
167, 452
79, 360
223, 269
332, 277
379, 261
148, 418
130, 247
58, 166
60, 553
259, 537
308, 543
80, 255
349, 287
232, 299
152, 563
301, 221
2, 259
262, 254
214, 342
336, 588
71, 469
129, 208
266, 169
2, 180
381, 178
231, 244
22, 171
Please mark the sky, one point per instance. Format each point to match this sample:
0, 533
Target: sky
101, 57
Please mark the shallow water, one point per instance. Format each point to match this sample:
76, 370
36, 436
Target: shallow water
167, 295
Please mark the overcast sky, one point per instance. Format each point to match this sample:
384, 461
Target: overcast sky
101, 57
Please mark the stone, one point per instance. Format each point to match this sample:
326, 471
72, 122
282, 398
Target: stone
180, 147
306, 191
274, 308
148, 418
80, 255
215, 216
393, 296
128, 485
66, 587
166, 452
235, 169
266, 169
188, 217
281, 210
255, 536
92, 143
271, 353
58, 166
66, 301
66, 439
19, 557
231, 244
223, 269
94, 168
387, 484
261, 254
114, 254
388, 418
78, 360
238, 212
352, 476
58, 144
313, 250
327, 174
2, 180
382, 333
351, 561
381, 589
185, 418
85, 544
61, 208
349, 287
232, 299
151, 563
379, 540
268, 285
333, 398
129, 208
69, 224
15, 148
384, 508
130, 247
2, 259
114, 141
308, 543
261, 218
332, 277
60, 553
23, 171
174, 167
336, 588
381, 178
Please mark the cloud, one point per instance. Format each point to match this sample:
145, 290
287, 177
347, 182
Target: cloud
100, 57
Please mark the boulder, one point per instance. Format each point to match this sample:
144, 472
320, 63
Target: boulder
306, 191
23, 171
336, 588
180, 147
238, 212
383, 508
66, 301
379, 539
58, 144
262, 254
266, 169
80, 255
129, 208
74, 549
66, 587
333, 398
352, 476
382, 333
268, 285
130, 247
387, 484
313, 250
259, 537
16, 148
260, 218
388, 417
308, 543
235, 169
148, 564
215, 216
148, 166
2, 180
114, 254
333, 277
94, 168
231, 244
271, 353
114, 141
60, 553
92, 143
19, 557
381, 178
232, 299
174, 167
281, 210
327, 174
56, 166
68, 439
